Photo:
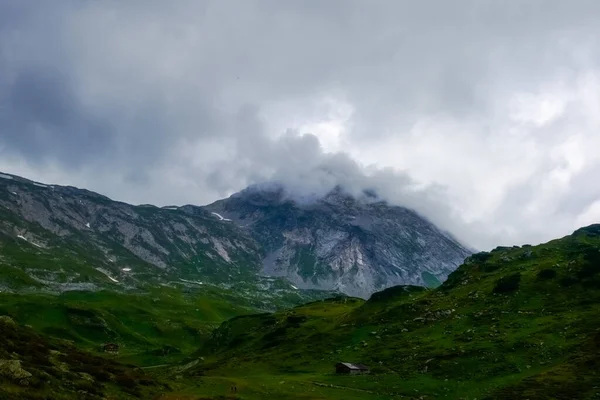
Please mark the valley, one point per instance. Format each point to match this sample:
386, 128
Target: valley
184, 293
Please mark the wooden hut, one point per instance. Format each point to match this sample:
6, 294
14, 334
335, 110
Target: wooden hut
349, 368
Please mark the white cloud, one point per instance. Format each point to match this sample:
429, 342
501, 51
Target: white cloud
481, 115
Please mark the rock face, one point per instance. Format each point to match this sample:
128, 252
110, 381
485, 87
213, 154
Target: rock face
356, 246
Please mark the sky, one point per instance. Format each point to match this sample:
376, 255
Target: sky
482, 115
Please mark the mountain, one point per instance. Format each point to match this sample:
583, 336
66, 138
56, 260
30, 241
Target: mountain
64, 238
514, 323
339, 242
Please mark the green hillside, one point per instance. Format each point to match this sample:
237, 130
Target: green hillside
33, 367
152, 327
520, 322
514, 323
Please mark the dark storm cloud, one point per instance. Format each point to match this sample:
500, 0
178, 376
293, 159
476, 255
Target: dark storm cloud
42, 118
479, 114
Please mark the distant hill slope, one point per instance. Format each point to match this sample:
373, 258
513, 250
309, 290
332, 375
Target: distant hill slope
93, 239
515, 323
356, 246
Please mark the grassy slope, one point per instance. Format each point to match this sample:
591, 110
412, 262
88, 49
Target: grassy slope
518, 322
51, 369
154, 322
152, 327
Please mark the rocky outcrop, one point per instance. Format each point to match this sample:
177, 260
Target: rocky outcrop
12, 370
356, 246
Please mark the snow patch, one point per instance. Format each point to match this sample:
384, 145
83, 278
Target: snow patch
171, 208
221, 218
126, 269
196, 282
87, 225
107, 275
294, 287
28, 241
6, 176
39, 185
15, 193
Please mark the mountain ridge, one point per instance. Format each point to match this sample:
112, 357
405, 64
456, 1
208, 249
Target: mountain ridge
338, 242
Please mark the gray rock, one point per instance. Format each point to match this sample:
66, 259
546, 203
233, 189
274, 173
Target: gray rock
12, 369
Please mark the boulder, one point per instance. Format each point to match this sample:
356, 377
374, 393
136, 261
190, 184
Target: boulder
7, 320
12, 369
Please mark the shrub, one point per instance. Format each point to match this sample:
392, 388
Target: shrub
454, 279
480, 257
296, 319
568, 281
508, 283
592, 283
146, 381
547, 273
490, 267
125, 381
89, 387
588, 270
395, 293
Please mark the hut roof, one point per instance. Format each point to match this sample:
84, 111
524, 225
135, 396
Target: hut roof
359, 367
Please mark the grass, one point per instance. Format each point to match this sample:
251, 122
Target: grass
501, 327
51, 369
153, 327
518, 322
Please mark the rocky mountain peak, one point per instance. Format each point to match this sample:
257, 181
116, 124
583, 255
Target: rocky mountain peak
355, 244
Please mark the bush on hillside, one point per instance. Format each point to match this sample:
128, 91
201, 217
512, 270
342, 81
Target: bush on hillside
507, 284
479, 258
296, 320
592, 264
590, 231
395, 292
546, 273
454, 279
568, 281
